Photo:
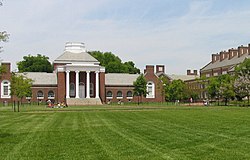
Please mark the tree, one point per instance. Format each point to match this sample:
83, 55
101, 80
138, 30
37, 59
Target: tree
226, 87
176, 90
242, 82
213, 88
113, 64
221, 87
37, 63
140, 87
20, 86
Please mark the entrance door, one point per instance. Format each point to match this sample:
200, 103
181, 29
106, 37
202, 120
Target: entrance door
82, 90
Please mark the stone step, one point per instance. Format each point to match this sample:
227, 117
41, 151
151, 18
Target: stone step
83, 101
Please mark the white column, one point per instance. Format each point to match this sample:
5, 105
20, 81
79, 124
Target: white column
67, 84
88, 85
97, 84
77, 84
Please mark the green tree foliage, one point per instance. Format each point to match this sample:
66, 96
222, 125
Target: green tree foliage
20, 86
213, 88
113, 64
227, 88
140, 87
37, 63
221, 87
176, 90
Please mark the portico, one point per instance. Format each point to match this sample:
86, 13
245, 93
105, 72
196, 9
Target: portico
81, 75
82, 83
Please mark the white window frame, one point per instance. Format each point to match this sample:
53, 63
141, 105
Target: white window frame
130, 97
38, 96
111, 97
150, 84
51, 97
3, 84
121, 97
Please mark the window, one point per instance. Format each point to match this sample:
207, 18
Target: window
51, 95
216, 74
91, 92
72, 90
109, 95
40, 95
160, 69
224, 72
119, 95
129, 95
150, 90
207, 75
5, 89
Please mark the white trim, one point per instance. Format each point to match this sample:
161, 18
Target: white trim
88, 84
96, 84
153, 89
2, 89
129, 97
67, 84
77, 84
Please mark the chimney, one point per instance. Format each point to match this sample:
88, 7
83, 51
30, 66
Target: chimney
242, 50
223, 55
150, 69
6, 66
189, 73
160, 69
195, 72
232, 53
215, 57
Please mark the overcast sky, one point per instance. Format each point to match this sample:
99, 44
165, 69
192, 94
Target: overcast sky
181, 34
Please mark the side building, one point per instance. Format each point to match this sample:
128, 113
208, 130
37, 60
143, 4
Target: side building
78, 79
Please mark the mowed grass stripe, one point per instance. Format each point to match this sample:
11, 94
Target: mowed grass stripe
189, 133
158, 138
30, 136
200, 140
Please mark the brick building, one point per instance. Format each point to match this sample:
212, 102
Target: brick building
225, 61
79, 79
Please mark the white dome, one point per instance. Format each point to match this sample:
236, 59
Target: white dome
75, 47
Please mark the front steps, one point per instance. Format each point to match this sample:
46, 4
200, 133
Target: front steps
83, 101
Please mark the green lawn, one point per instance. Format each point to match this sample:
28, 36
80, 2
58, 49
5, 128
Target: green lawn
123, 132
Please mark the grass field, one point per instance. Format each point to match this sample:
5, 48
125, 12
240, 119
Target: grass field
115, 132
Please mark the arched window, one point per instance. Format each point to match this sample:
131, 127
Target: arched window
150, 90
5, 89
51, 95
109, 94
91, 92
119, 94
72, 90
40, 95
129, 94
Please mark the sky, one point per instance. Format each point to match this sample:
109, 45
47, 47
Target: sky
180, 34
